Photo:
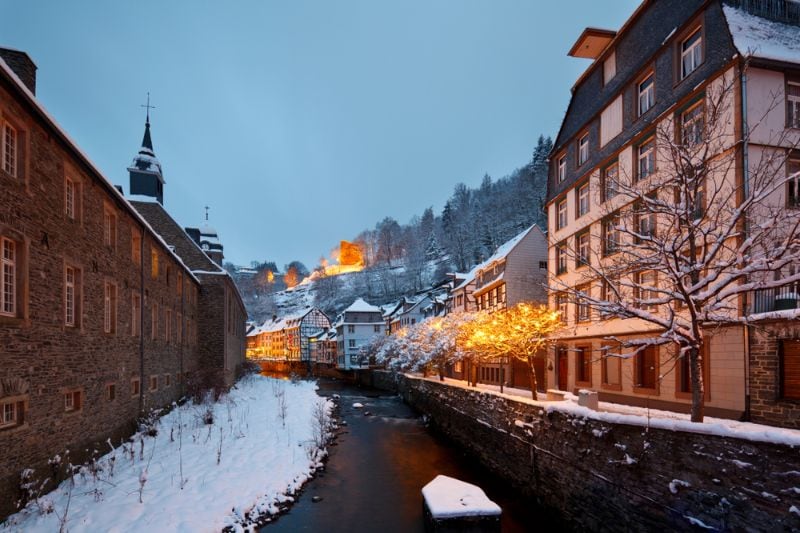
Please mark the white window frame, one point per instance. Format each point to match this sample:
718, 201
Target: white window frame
561, 259
10, 149
692, 121
69, 401
582, 193
583, 149
583, 246
646, 151
793, 104
8, 293
70, 189
610, 177
691, 52
9, 417
109, 227
793, 184
70, 295
646, 90
562, 168
561, 214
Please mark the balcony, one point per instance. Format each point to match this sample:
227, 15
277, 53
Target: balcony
779, 299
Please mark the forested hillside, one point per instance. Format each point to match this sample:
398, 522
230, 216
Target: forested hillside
401, 259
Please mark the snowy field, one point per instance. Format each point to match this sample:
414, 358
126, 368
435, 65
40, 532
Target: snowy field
639, 416
266, 440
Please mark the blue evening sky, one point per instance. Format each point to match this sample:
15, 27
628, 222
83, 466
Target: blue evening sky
301, 123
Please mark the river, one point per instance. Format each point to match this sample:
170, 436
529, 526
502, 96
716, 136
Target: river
379, 463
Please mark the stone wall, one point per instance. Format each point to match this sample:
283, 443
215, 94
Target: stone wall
602, 476
767, 405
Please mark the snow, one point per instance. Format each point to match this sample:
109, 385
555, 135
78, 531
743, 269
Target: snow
763, 38
263, 460
447, 497
614, 413
360, 306
358, 405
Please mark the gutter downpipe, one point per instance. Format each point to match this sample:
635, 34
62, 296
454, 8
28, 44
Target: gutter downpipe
746, 187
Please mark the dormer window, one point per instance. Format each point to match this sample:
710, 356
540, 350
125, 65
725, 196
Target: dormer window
691, 53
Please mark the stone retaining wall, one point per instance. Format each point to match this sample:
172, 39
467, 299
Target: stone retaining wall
603, 476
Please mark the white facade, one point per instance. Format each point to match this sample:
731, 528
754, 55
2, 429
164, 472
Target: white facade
357, 326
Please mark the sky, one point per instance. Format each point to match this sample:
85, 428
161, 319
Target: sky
300, 123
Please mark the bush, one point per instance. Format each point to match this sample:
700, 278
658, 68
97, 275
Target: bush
247, 368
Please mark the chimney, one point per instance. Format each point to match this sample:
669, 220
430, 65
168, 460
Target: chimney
22, 65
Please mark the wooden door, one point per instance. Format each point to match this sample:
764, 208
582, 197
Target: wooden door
791, 370
563, 370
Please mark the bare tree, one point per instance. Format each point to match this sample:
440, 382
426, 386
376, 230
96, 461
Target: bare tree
690, 232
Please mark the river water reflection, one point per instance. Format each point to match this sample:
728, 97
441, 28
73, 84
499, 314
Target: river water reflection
377, 468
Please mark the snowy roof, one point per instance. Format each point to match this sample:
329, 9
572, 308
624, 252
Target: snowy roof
277, 324
505, 248
759, 37
447, 497
469, 277
360, 306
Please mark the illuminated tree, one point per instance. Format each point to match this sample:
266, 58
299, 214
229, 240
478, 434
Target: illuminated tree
521, 332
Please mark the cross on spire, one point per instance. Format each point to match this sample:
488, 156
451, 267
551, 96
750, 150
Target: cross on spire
207, 208
148, 106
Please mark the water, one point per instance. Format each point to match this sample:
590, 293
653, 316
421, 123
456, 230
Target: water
377, 468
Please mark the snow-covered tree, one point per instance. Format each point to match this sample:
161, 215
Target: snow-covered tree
690, 235
522, 331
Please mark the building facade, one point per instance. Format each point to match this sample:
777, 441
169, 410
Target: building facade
665, 74
356, 327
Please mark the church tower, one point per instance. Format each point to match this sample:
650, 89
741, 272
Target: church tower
146, 178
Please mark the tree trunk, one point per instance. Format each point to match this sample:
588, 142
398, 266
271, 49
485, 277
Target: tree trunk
698, 387
534, 382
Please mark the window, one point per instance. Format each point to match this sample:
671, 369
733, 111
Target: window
645, 223
692, 121
561, 210
167, 380
136, 315
609, 67
153, 263
168, 325
10, 150
646, 159
70, 198
491, 299
583, 149
154, 321
72, 277
583, 365
111, 392
646, 284
12, 412
582, 242
110, 308
691, 53
684, 377
583, 310
647, 94
611, 369
109, 227
561, 259
793, 184
8, 296
609, 292
562, 304
72, 401
351, 343
790, 369
646, 368
136, 246
501, 294
376, 328
542, 265
562, 168
582, 199
351, 328
179, 328
793, 105
153, 383
611, 234
611, 181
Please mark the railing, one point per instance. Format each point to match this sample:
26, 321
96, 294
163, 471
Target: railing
777, 299
787, 11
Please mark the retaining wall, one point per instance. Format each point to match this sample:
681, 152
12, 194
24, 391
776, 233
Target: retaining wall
602, 476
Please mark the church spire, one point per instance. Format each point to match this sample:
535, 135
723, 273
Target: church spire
146, 178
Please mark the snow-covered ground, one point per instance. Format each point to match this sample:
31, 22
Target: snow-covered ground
615, 413
262, 446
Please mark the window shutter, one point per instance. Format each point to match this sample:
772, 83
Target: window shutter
611, 121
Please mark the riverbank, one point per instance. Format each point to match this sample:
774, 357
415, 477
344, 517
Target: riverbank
603, 474
203, 467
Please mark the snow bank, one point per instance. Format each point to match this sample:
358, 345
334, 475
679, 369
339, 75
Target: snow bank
195, 476
614, 413
447, 497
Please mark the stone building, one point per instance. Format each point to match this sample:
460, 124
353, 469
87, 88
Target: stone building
657, 74
100, 318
